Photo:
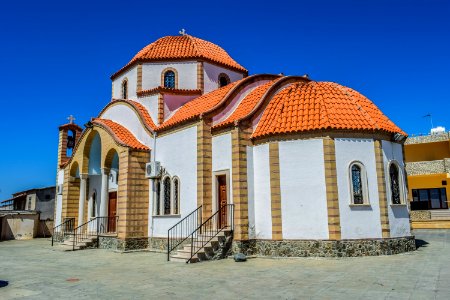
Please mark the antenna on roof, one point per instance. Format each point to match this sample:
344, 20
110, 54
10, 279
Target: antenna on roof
182, 31
431, 119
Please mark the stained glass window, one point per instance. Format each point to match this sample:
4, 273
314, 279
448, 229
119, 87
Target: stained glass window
125, 89
395, 184
357, 185
167, 196
223, 81
175, 195
158, 198
169, 79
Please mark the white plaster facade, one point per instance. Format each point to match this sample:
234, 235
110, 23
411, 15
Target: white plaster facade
303, 192
398, 214
357, 221
178, 155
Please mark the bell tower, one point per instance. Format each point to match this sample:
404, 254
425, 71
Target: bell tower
68, 136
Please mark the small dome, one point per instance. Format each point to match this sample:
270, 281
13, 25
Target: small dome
184, 47
313, 106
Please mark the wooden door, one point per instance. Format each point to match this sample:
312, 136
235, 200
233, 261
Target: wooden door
222, 200
112, 211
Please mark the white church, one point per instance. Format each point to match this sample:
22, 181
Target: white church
194, 157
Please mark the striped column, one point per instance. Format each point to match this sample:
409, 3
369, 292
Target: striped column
382, 196
204, 167
275, 191
334, 223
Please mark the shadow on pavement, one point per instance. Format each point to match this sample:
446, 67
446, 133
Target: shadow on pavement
3, 283
421, 243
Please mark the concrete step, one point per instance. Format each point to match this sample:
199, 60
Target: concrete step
183, 258
440, 214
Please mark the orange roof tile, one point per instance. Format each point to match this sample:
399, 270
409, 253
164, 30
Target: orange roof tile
144, 114
164, 90
139, 108
321, 105
183, 47
247, 104
121, 135
196, 107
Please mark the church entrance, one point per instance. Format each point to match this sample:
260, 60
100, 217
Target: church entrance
112, 211
222, 199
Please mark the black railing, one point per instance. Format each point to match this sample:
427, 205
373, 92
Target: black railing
84, 231
60, 231
97, 226
221, 220
178, 233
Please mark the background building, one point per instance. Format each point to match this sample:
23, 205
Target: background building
428, 168
27, 214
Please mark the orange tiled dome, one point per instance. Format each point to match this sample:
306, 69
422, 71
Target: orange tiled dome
311, 106
184, 47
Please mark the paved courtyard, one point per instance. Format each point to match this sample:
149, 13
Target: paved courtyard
34, 270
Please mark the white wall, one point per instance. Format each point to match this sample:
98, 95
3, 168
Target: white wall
357, 221
211, 76
251, 193
177, 153
303, 190
127, 117
131, 75
222, 161
262, 196
58, 204
187, 74
398, 214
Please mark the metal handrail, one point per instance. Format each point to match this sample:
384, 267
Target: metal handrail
66, 226
180, 232
98, 226
211, 228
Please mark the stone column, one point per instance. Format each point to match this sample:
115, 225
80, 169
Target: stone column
104, 194
83, 185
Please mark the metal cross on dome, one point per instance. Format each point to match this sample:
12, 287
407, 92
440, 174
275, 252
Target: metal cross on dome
182, 31
71, 119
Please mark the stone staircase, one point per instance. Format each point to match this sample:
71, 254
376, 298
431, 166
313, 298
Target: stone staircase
443, 214
90, 241
217, 248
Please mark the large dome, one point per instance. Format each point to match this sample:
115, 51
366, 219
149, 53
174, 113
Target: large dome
184, 47
313, 106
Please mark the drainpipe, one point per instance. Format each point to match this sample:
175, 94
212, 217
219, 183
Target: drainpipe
153, 180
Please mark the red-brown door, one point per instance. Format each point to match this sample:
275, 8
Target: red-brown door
112, 211
222, 200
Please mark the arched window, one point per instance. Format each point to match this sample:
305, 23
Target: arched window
396, 184
176, 195
223, 80
169, 79
94, 205
125, 89
157, 197
358, 184
166, 195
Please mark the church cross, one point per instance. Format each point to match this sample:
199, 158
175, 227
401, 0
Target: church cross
71, 119
182, 32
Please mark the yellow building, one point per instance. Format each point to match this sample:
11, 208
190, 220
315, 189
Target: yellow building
428, 167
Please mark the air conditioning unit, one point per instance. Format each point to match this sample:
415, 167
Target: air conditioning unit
113, 176
60, 189
153, 169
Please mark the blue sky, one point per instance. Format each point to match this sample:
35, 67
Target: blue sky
56, 59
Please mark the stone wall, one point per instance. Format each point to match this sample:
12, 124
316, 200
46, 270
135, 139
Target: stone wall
428, 167
325, 248
420, 215
130, 244
428, 138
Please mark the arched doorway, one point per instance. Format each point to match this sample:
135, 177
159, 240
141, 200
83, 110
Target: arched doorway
111, 164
